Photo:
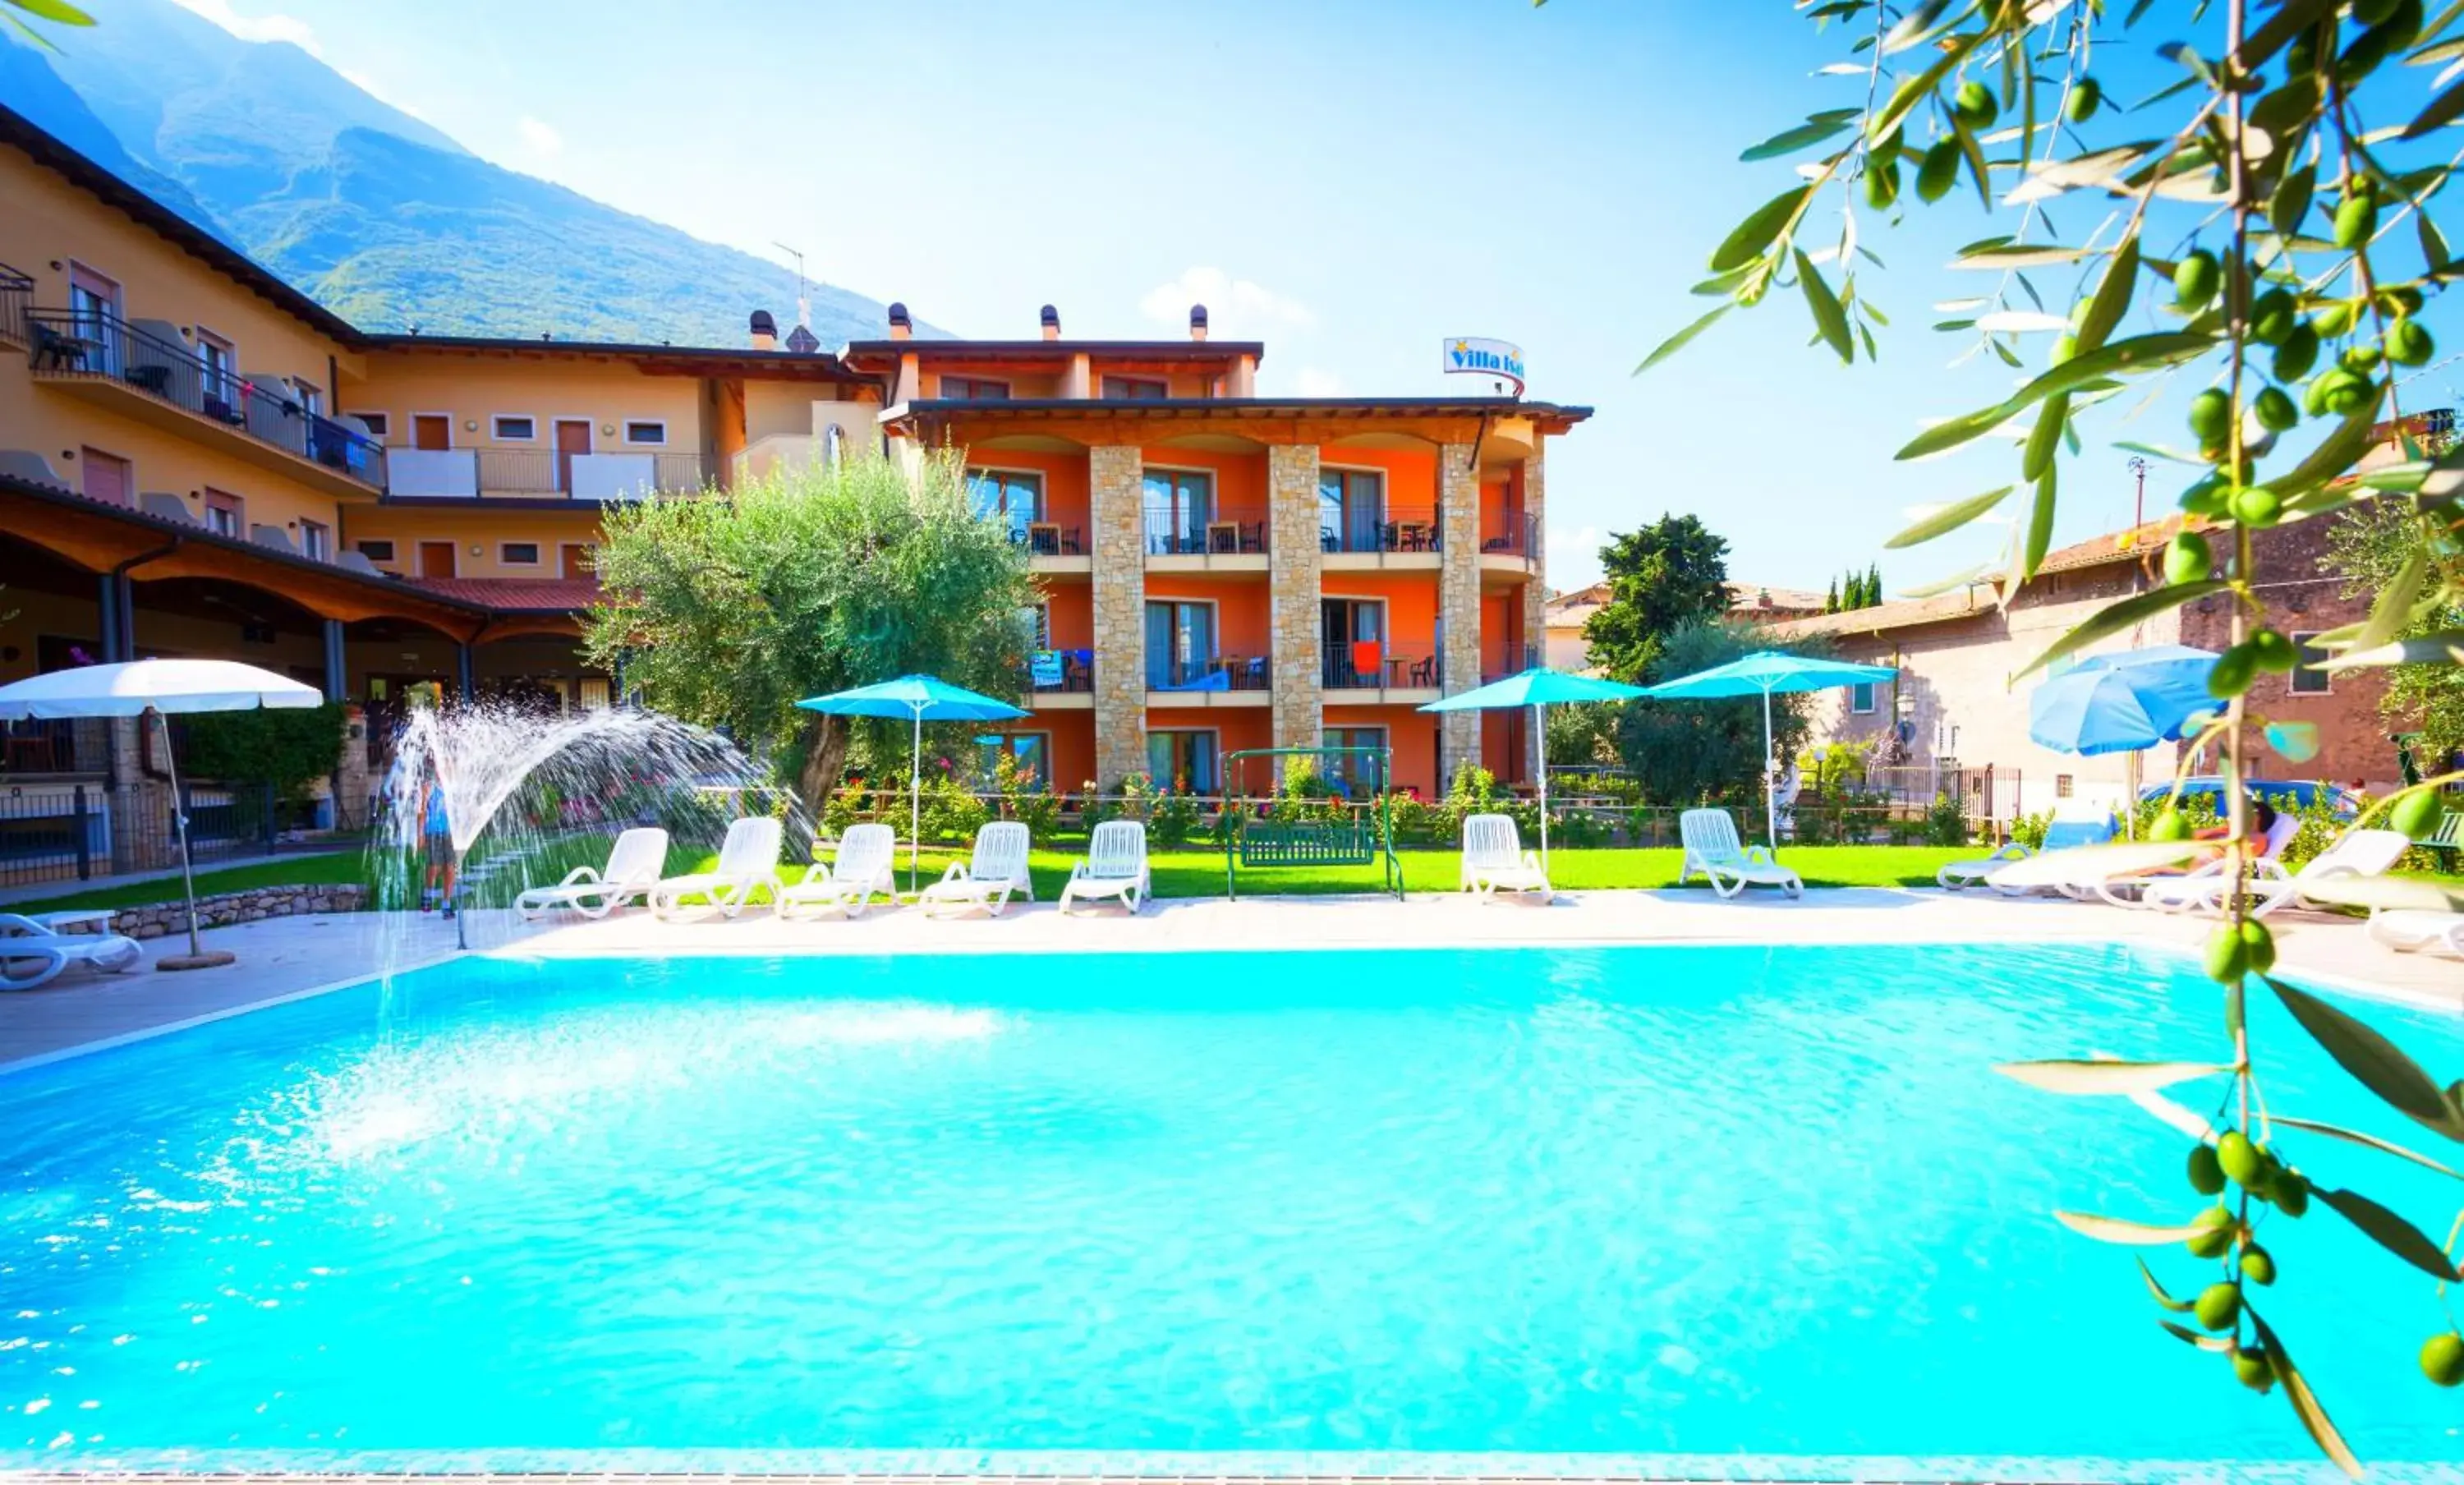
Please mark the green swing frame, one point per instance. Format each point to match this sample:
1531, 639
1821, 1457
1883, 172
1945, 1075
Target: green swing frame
1365, 838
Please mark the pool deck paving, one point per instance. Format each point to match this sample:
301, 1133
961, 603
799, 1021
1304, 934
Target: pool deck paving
285, 958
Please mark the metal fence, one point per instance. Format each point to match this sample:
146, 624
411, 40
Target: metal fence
77, 831
1224, 530
1367, 665
17, 298
547, 472
1374, 528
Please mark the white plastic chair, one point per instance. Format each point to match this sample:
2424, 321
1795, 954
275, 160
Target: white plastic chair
2358, 853
1958, 875
748, 860
633, 867
26, 942
1712, 848
865, 864
1116, 866
2418, 928
998, 870
1494, 860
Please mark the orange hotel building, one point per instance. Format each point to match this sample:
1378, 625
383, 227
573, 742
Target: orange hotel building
196, 458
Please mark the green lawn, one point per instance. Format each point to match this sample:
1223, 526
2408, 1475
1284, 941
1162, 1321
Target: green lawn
305, 871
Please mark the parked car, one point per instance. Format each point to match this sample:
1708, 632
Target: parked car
2304, 792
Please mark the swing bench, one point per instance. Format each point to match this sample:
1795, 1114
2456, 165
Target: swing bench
1360, 838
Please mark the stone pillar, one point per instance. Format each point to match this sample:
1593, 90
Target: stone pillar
1114, 496
1458, 602
1292, 612
351, 777
1536, 587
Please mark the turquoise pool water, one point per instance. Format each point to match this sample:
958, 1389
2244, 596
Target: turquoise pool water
1712, 1209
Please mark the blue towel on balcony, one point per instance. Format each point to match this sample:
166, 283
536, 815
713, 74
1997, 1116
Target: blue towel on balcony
1212, 680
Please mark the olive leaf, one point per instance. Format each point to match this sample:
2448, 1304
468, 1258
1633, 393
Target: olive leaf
2177, 1306
2117, 617
2044, 440
1677, 342
2391, 611
2390, 1232
1755, 233
2112, 296
2356, 1137
1829, 317
2334, 454
1940, 587
1950, 517
2445, 647
2375, 1063
2188, 1336
2443, 110
2041, 515
1813, 131
2134, 1234
2101, 1078
2294, 742
2291, 203
2138, 354
2018, 255
2305, 1403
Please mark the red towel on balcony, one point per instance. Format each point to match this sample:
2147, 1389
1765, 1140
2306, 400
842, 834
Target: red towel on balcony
1365, 659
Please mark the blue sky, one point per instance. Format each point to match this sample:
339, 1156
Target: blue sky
1350, 182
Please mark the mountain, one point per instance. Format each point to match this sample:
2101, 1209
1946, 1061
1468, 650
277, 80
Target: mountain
381, 216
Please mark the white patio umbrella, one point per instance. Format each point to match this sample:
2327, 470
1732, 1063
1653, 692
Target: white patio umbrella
132, 689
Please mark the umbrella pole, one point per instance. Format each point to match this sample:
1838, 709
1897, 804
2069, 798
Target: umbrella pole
1770, 777
915, 801
1540, 723
180, 818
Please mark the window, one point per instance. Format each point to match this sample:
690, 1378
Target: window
376, 550
974, 389
646, 431
1352, 640
518, 554
515, 427
1178, 505
378, 425
1184, 761
1137, 388
107, 478
1351, 510
1180, 645
1359, 777
2061, 786
2307, 679
317, 539
1039, 625
1009, 493
311, 399
1860, 697
225, 514
218, 365
1030, 751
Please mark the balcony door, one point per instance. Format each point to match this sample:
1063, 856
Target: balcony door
1180, 643
1182, 761
1351, 510
94, 310
431, 430
573, 560
437, 558
572, 437
1179, 502
1352, 636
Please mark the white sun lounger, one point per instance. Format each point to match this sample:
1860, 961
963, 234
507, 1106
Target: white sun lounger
32, 954
1711, 846
633, 867
1494, 860
1116, 866
2418, 928
1958, 875
998, 870
865, 864
2359, 854
748, 860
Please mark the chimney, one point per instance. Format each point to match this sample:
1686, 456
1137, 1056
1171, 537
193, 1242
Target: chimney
1197, 322
1050, 317
900, 326
765, 331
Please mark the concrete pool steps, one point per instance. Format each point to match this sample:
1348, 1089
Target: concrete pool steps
281, 959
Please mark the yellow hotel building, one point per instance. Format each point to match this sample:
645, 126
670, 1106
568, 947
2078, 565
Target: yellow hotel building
195, 458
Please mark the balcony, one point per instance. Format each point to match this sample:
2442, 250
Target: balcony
157, 378
1053, 547
1062, 680
1217, 681
1497, 662
1510, 543
1379, 672
539, 474
17, 299
1225, 539
1391, 536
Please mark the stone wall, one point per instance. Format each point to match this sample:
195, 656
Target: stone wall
1113, 475
223, 909
1458, 602
1293, 613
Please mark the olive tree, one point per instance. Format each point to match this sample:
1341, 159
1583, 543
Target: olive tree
2264, 229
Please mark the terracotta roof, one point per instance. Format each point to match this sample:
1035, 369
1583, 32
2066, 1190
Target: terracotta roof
2135, 543
514, 595
1751, 596
1556, 417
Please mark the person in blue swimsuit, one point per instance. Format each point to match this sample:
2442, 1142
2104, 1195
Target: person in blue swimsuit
436, 838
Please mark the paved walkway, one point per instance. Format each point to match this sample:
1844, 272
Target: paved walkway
286, 957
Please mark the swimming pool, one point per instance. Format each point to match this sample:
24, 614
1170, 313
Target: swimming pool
1698, 1210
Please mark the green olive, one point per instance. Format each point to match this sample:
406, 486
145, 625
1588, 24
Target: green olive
2187, 558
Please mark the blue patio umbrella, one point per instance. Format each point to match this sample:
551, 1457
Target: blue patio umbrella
2119, 703
1537, 688
919, 698
1762, 674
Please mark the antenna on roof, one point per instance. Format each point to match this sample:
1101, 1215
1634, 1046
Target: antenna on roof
803, 297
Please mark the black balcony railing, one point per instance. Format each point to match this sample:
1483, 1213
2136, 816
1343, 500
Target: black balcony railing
1048, 538
103, 347
1392, 529
1225, 531
1063, 671
1517, 534
17, 298
1219, 672
38, 747
546, 471
1351, 667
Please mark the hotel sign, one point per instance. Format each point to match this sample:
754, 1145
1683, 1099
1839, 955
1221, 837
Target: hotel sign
1469, 355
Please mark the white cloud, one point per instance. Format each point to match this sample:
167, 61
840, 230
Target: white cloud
1234, 306
257, 28
1319, 381
540, 138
